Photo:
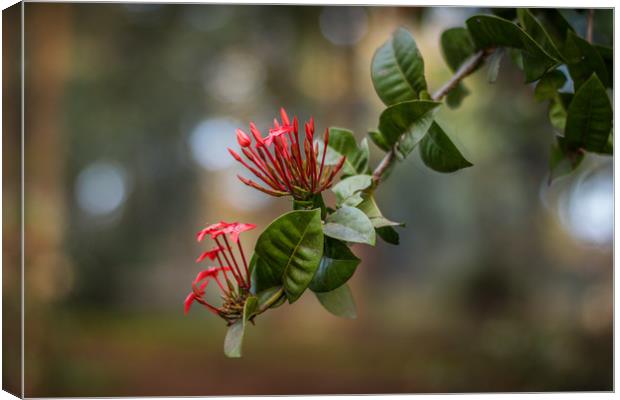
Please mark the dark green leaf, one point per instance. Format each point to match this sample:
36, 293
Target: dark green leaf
337, 266
348, 190
378, 139
389, 235
455, 96
292, 247
589, 117
457, 46
234, 336
398, 69
273, 296
410, 120
351, 225
489, 31
555, 24
263, 277
583, 60
607, 54
343, 142
536, 30
439, 153
339, 302
549, 85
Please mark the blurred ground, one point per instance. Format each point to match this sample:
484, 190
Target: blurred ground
501, 282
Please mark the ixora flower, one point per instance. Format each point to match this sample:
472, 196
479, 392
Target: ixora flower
283, 164
231, 276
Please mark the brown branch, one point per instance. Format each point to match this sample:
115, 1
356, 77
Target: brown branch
466, 69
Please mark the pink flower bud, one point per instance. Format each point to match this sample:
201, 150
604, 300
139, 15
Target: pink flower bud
243, 139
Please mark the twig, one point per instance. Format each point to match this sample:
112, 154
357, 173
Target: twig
464, 70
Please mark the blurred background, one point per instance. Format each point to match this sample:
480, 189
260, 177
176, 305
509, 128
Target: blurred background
501, 282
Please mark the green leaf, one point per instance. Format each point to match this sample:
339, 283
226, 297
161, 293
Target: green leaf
378, 139
439, 153
583, 60
494, 64
370, 208
489, 31
455, 96
389, 235
397, 69
234, 336
555, 24
558, 109
549, 85
589, 118
262, 276
343, 142
339, 302
292, 246
348, 190
351, 225
272, 297
538, 33
337, 266
410, 120
457, 46
607, 54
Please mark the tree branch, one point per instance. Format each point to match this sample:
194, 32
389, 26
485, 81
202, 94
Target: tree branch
590, 25
469, 66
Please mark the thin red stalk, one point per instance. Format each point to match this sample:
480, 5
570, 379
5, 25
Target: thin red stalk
219, 260
245, 264
221, 287
211, 308
254, 171
273, 162
251, 157
237, 278
274, 174
256, 186
234, 259
325, 142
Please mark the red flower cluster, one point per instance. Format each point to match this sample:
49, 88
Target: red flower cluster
235, 284
288, 170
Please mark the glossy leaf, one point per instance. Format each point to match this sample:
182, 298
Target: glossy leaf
607, 54
397, 69
292, 247
548, 86
439, 153
370, 208
378, 139
589, 118
406, 123
343, 142
262, 276
348, 190
583, 60
350, 225
272, 297
456, 46
535, 29
489, 31
339, 302
337, 266
234, 336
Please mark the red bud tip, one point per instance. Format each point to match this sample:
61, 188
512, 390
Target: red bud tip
285, 120
235, 155
243, 139
256, 133
276, 124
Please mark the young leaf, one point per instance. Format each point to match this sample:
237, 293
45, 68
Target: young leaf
439, 153
234, 336
343, 142
339, 302
348, 190
583, 60
557, 110
370, 208
589, 117
397, 69
337, 266
291, 247
351, 225
409, 119
455, 96
549, 85
457, 46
